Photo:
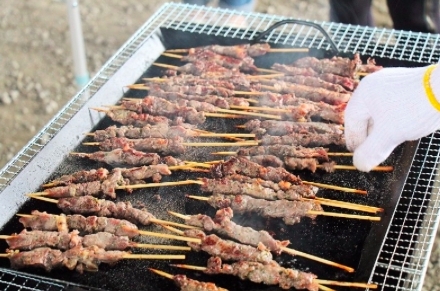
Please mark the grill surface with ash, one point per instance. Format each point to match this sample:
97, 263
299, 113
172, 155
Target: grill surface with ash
402, 241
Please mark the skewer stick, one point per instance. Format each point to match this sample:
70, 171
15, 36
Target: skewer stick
220, 144
267, 71
213, 114
313, 212
183, 216
150, 185
343, 215
249, 113
340, 154
225, 135
344, 205
171, 55
325, 288
333, 187
162, 247
153, 257
170, 236
372, 208
260, 108
189, 267
165, 222
24, 215
347, 167
269, 88
346, 284
161, 273
6, 236
179, 232
315, 258
265, 76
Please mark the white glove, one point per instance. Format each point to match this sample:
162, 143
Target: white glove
389, 107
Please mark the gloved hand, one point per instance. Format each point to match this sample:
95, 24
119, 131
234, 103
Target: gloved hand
389, 107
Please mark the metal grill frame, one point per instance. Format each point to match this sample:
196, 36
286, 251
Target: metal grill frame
403, 261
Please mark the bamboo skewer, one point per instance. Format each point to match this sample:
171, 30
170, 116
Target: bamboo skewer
161, 273
345, 205
284, 249
314, 212
319, 281
347, 167
270, 109
199, 144
325, 288
334, 187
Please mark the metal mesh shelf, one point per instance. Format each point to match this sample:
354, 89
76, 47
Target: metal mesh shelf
405, 253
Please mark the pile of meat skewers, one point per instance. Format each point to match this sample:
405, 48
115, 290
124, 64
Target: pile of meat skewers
289, 120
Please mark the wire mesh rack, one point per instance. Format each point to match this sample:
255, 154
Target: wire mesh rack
404, 256
18, 281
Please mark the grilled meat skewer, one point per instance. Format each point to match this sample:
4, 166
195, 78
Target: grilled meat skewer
150, 145
28, 240
255, 189
227, 249
346, 82
122, 156
127, 117
269, 274
289, 211
90, 224
80, 177
242, 166
235, 51
337, 65
101, 207
78, 258
223, 225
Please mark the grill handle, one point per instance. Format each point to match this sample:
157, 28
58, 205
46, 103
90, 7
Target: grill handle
296, 21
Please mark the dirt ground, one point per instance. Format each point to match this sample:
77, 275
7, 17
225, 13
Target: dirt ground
36, 77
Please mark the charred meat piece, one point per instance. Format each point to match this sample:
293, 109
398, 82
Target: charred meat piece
269, 274
226, 249
187, 284
242, 166
290, 212
43, 258
194, 90
127, 117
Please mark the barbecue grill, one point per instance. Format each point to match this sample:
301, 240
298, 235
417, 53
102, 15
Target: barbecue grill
403, 253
